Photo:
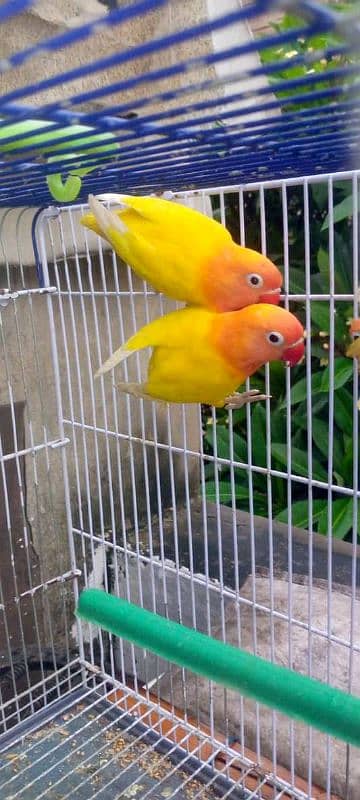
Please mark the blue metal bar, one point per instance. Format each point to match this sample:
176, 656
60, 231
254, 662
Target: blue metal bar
77, 34
240, 146
180, 145
13, 7
146, 126
170, 41
234, 159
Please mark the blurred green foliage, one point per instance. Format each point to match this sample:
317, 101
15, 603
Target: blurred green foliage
306, 58
309, 436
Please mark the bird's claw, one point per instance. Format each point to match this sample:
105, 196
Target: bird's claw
239, 399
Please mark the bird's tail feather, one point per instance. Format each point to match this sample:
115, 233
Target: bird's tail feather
112, 197
141, 339
116, 358
107, 220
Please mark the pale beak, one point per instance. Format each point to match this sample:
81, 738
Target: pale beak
272, 296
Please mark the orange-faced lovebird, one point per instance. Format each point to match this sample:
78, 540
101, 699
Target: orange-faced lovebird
353, 351
201, 356
184, 253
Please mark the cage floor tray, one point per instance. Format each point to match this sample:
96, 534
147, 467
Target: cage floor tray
84, 747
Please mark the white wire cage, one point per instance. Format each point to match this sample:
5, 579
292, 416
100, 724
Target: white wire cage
160, 504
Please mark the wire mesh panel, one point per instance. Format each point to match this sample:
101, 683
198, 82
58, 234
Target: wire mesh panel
242, 524
36, 653
158, 94
230, 522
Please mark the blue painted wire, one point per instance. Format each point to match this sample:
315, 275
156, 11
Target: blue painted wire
13, 7
70, 37
154, 46
155, 151
132, 128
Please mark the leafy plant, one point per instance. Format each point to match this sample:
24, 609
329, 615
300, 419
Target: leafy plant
306, 59
320, 447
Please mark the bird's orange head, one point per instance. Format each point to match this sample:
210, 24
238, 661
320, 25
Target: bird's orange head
237, 277
257, 334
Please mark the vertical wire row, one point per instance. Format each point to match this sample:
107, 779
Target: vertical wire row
263, 229
284, 207
250, 473
350, 754
330, 456
95, 421
307, 244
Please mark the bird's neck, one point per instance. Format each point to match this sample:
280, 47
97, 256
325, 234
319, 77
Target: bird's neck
220, 277
234, 345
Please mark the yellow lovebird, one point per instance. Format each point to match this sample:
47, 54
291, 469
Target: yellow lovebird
200, 356
183, 253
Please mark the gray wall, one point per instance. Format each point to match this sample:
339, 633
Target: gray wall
111, 479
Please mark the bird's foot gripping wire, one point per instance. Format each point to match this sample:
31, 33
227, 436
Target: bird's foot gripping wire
239, 399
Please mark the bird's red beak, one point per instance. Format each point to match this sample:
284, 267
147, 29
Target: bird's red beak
272, 297
293, 354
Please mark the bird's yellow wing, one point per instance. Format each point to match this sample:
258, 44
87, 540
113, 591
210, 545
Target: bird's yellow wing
174, 330
190, 374
164, 212
166, 244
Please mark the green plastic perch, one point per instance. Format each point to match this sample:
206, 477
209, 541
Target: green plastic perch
330, 710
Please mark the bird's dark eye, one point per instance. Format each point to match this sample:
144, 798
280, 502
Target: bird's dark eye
275, 338
254, 280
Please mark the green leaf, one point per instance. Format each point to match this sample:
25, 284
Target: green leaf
277, 379
278, 424
320, 435
318, 405
320, 315
348, 465
343, 371
323, 265
342, 518
341, 211
223, 443
299, 391
320, 195
300, 512
258, 440
319, 283
342, 187
339, 478
211, 469
297, 281
341, 328
299, 462
300, 419
318, 350
343, 263
225, 495
343, 410
298, 439
238, 416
